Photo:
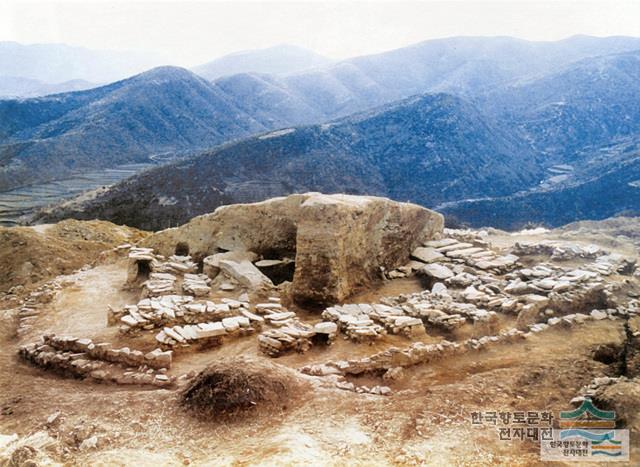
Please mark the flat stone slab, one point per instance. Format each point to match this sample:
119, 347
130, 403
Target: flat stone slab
456, 246
465, 252
267, 263
326, 327
426, 255
245, 273
437, 271
440, 243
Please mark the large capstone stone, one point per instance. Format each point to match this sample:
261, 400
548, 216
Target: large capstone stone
340, 243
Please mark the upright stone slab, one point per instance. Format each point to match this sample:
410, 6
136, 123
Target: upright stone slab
343, 241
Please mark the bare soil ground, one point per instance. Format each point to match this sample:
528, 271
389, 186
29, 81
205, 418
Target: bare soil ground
426, 420
31, 255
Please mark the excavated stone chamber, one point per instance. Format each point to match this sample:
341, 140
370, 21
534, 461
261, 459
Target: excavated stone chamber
341, 243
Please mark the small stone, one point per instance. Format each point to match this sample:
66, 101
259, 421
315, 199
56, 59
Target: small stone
439, 289
326, 327
53, 417
89, 443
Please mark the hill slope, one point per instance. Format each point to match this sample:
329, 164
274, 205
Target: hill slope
425, 149
169, 110
586, 104
164, 110
605, 186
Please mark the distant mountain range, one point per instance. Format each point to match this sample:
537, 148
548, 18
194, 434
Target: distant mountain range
57, 63
17, 86
277, 60
510, 121
465, 66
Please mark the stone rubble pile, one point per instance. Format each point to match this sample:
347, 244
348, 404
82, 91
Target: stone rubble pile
171, 310
613, 263
141, 254
99, 361
159, 283
293, 337
573, 319
449, 250
474, 294
557, 250
196, 284
33, 304
365, 321
390, 362
353, 320
163, 276
166, 310
176, 265
275, 314
296, 336
417, 353
394, 319
236, 267
439, 309
208, 333
436, 257
157, 263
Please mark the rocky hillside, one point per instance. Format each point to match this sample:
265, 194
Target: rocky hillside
553, 150
555, 113
426, 149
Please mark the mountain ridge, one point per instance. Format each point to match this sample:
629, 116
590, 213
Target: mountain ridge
279, 59
372, 152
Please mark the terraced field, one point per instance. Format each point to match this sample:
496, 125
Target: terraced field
21, 202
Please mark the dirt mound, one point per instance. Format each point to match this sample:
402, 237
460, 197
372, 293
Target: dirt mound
238, 386
624, 398
29, 256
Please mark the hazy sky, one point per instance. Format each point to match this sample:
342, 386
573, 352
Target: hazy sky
189, 33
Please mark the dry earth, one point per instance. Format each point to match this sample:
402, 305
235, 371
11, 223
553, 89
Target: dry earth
426, 420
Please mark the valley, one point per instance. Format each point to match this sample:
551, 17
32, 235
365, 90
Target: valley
487, 123
22, 203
